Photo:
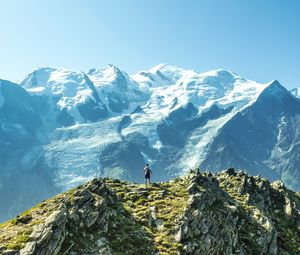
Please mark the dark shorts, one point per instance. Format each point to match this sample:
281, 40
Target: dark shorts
147, 176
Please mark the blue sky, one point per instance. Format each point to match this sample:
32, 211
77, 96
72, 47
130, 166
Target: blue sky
257, 39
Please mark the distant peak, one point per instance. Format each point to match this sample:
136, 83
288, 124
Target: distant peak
276, 89
220, 73
275, 85
295, 92
91, 71
159, 67
108, 69
164, 67
44, 69
113, 68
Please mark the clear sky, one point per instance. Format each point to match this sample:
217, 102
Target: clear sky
258, 39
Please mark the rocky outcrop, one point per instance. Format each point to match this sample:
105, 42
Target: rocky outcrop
47, 237
201, 213
217, 223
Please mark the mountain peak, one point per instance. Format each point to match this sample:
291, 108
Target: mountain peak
47, 76
161, 67
40, 73
107, 73
104, 216
220, 73
44, 69
166, 68
112, 68
295, 92
160, 75
275, 88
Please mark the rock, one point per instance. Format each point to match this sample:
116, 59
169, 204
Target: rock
192, 188
101, 242
188, 248
178, 235
105, 251
143, 193
230, 171
162, 193
196, 213
159, 224
278, 185
288, 206
24, 219
208, 242
9, 252
233, 208
153, 211
92, 218
28, 249
56, 217
47, 236
41, 234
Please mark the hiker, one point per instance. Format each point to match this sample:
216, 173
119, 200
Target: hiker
147, 172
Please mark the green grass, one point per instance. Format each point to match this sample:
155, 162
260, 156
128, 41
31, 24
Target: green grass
169, 200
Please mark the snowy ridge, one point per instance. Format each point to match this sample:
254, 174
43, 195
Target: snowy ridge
110, 80
54, 82
160, 75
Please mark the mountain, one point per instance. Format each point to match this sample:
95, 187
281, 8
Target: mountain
81, 97
200, 213
106, 123
265, 132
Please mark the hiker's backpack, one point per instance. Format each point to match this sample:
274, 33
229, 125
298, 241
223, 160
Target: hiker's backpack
147, 170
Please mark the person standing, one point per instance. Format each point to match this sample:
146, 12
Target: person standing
148, 173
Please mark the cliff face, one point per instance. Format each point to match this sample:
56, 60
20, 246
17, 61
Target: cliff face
201, 213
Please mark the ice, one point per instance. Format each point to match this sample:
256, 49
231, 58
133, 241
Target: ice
199, 142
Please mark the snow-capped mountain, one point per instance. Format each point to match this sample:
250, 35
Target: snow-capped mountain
264, 136
107, 123
84, 98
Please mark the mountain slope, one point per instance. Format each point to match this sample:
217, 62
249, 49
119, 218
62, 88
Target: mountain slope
201, 213
22, 135
266, 132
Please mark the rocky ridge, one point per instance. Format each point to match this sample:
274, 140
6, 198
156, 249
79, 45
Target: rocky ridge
200, 213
